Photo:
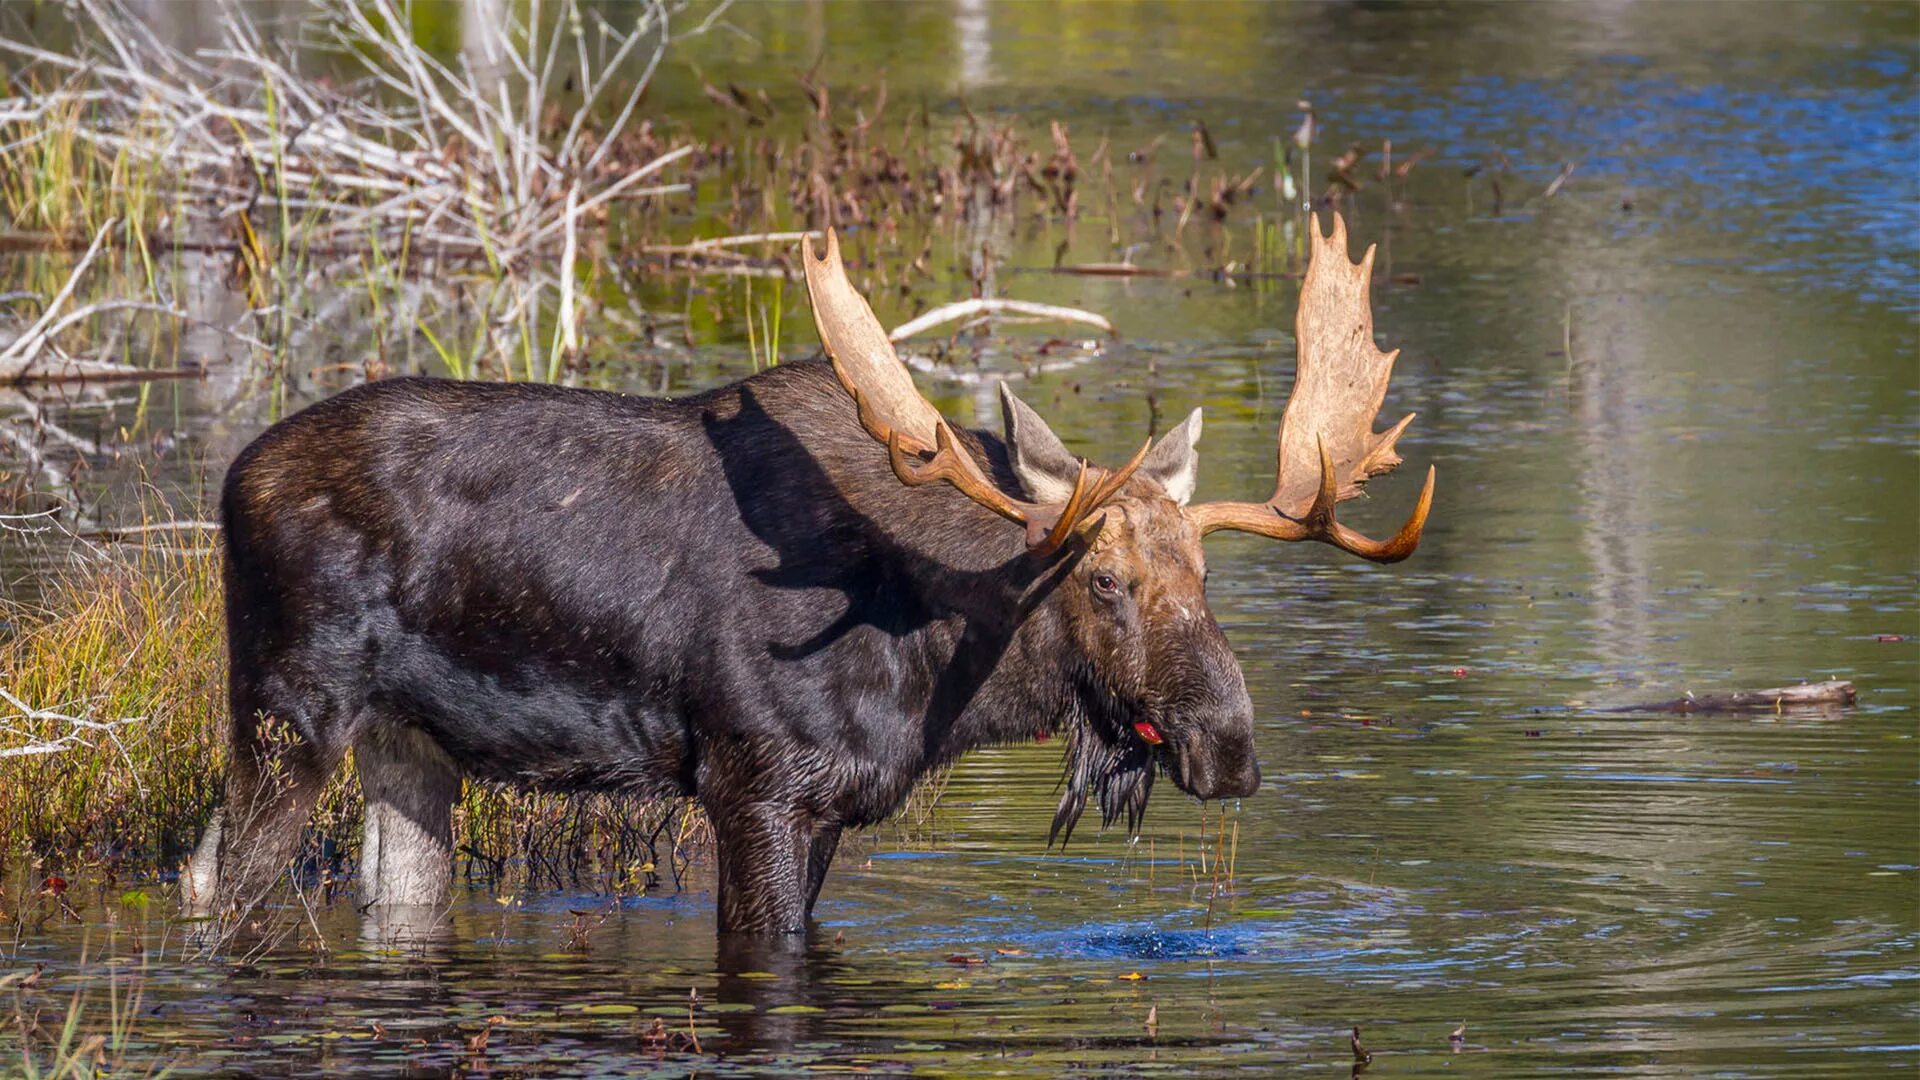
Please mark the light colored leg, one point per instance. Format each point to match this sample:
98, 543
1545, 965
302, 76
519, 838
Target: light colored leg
202, 872
406, 855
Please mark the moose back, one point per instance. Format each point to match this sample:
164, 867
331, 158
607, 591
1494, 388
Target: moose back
788, 598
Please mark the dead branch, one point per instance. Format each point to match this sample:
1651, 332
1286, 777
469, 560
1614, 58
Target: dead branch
964, 309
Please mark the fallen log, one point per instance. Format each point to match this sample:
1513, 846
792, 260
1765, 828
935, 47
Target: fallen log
1108, 269
75, 370
1775, 699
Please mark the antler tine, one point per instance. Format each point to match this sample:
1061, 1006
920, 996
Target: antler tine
1341, 380
946, 465
1322, 525
892, 411
1401, 544
1070, 513
1111, 484
1080, 508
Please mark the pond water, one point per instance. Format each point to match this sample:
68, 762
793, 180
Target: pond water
1717, 488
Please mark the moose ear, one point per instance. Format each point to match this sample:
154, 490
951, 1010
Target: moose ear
1042, 462
1175, 461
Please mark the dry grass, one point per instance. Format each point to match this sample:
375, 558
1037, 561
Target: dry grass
131, 636
116, 736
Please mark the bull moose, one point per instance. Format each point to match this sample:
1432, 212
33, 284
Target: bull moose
762, 596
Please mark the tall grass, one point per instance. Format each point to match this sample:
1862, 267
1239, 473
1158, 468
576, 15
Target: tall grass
491, 165
114, 748
132, 636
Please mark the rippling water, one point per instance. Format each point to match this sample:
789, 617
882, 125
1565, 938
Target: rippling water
1715, 490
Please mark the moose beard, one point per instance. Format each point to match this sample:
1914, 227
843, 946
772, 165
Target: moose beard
1119, 771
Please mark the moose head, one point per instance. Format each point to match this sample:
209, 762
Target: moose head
1158, 688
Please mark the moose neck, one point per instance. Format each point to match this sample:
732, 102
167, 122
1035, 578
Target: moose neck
1001, 669
976, 614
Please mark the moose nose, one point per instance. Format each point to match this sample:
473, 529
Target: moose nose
1246, 784
1210, 768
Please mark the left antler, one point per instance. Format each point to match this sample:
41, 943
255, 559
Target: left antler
919, 443
1328, 447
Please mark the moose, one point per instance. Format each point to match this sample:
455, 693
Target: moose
787, 598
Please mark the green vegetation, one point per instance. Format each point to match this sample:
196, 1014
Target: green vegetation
115, 683
116, 677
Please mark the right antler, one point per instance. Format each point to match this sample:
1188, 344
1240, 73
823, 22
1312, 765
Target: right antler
1340, 381
919, 443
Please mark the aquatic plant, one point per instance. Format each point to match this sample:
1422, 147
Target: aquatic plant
84, 1028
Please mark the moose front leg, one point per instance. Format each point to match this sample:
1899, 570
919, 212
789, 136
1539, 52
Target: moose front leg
826, 838
764, 852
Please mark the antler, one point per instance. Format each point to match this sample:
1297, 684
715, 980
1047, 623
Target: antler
1341, 381
920, 445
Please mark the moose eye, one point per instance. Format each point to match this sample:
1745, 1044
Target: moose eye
1106, 583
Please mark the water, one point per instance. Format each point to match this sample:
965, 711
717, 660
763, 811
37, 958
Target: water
1715, 490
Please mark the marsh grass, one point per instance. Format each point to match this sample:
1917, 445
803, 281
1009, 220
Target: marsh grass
134, 634
483, 209
131, 634
490, 166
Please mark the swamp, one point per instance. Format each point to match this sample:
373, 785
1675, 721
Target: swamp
1654, 275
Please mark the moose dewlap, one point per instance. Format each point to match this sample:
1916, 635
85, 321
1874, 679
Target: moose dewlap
788, 598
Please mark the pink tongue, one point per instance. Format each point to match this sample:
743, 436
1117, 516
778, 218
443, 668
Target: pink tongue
1149, 732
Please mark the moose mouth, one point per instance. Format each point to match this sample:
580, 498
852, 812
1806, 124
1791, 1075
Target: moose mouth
1116, 771
1113, 764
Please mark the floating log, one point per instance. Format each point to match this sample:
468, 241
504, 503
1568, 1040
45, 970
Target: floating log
1112, 270
1776, 699
947, 313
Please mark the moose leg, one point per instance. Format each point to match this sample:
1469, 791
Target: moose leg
406, 852
820, 849
277, 761
763, 850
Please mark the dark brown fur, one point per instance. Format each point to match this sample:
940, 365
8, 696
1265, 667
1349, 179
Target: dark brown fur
728, 596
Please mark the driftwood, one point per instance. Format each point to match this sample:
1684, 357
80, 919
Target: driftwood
964, 309
1112, 270
1776, 699
75, 370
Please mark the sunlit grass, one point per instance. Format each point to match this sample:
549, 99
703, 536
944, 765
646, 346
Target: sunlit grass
136, 635
131, 636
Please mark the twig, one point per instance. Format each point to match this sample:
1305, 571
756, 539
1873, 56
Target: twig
80, 724
122, 532
20, 353
714, 243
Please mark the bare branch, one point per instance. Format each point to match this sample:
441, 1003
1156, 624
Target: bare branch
947, 313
